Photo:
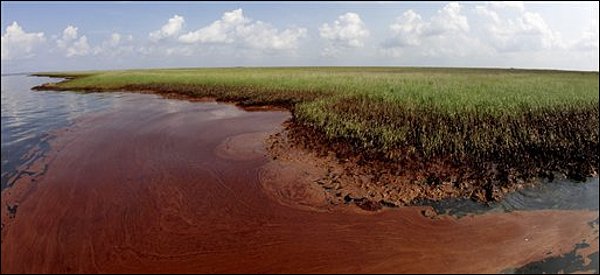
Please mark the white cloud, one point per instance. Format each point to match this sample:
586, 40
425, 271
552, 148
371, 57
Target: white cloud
407, 30
501, 27
516, 5
448, 20
446, 33
180, 50
220, 31
348, 31
115, 44
16, 43
589, 38
72, 44
70, 33
507, 31
79, 47
234, 27
115, 39
171, 29
263, 36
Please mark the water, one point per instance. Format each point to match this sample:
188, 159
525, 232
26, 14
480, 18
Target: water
29, 116
559, 194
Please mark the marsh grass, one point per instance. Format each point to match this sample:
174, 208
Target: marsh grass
517, 118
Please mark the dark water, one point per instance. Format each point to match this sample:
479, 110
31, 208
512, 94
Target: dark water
29, 116
568, 263
556, 195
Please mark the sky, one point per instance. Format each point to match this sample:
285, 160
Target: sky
59, 36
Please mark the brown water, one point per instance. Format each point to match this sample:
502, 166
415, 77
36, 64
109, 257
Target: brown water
161, 186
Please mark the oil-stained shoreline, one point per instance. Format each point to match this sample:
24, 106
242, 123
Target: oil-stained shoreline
440, 132
151, 189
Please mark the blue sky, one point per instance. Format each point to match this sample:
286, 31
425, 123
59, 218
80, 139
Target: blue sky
46, 36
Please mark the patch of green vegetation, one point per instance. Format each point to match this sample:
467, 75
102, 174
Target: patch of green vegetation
458, 114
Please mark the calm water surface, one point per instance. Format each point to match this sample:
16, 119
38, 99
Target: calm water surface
28, 117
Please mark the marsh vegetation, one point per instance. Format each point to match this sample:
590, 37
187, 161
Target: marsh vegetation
517, 124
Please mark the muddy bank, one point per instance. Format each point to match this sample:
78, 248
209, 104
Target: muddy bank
350, 176
370, 184
375, 185
166, 186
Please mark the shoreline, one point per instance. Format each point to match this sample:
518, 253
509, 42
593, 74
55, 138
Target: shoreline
185, 193
373, 186
396, 183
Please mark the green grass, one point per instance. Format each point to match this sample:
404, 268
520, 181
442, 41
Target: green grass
459, 114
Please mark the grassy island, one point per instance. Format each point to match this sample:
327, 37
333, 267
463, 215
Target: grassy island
494, 125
